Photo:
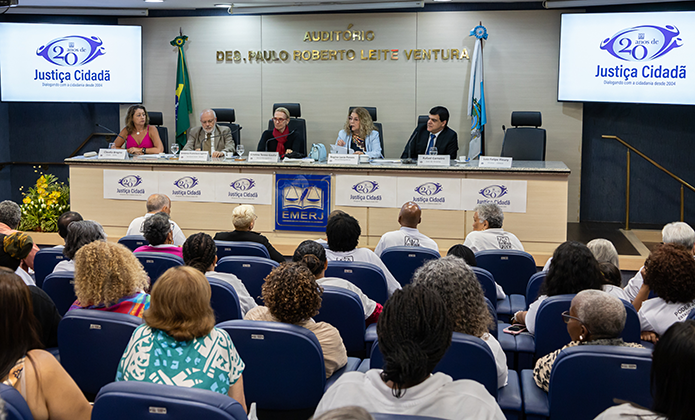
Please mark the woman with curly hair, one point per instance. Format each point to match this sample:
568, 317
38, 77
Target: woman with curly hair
573, 269
465, 302
158, 231
359, 135
292, 296
244, 219
178, 344
670, 272
108, 277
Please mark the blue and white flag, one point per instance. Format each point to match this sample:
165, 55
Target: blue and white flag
476, 94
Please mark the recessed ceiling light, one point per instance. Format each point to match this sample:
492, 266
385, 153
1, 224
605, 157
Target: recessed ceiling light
223, 5
154, 1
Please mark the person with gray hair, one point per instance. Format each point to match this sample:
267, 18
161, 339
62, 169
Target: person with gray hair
595, 318
80, 233
159, 235
487, 230
679, 233
156, 203
10, 216
463, 296
209, 136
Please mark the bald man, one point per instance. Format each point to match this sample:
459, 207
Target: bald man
155, 204
408, 235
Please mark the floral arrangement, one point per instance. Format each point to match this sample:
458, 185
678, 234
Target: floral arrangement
43, 204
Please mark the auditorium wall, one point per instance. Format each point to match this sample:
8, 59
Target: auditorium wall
520, 74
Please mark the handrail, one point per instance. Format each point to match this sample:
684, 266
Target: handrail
107, 137
650, 160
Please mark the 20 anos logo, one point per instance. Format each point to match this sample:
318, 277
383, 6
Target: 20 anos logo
366, 187
130, 181
73, 50
494, 191
428, 188
642, 43
242, 184
186, 183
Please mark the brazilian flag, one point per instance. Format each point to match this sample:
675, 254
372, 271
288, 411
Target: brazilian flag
183, 106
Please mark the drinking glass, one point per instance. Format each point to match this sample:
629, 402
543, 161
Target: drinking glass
240, 149
174, 148
433, 151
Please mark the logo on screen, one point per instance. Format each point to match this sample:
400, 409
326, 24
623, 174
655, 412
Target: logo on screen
642, 43
186, 183
494, 191
243, 184
130, 181
73, 50
366, 187
428, 189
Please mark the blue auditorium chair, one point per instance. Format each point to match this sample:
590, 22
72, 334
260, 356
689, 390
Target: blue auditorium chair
92, 343
156, 263
367, 276
239, 248
511, 269
402, 261
45, 261
632, 331
534, 286
148, 401
505, 307
133, 242
285, 373
60, 287
586, 380
16, 407
252, 271
224, 301
342, 308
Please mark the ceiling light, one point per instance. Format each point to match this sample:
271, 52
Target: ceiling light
226, 5
255, 8
154, 1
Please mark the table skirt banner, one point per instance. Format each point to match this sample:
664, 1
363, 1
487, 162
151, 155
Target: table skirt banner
366, 191
188, 186
430, 193
244, 188
130, 185
509, 195
302, 202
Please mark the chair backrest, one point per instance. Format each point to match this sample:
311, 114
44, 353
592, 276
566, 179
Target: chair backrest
487, 282
16, 407
525, 141
422, 119
533, 287
493, 313
510, 268
236, 248
632, 330
691, 315
551, 330
377, 126
343, 309
156, 263
252, 271
133, 242
157, 119
227, 117
367, 276
91, 345
60, 287
284, 363
297, 123
596, 375
224, 301
402, 261
45, 261
149, 401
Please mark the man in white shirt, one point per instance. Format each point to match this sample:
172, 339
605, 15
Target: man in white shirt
487, 230
155, 204
408, 234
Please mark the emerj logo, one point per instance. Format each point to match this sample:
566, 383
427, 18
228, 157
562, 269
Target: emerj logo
73, 50
642, 43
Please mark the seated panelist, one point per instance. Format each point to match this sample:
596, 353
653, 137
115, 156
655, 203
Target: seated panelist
436, 133
359, 135
139, 137
281, 139
210, 137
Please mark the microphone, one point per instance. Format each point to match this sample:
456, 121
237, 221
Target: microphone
410, 145
275, 138
504, 129
215, 135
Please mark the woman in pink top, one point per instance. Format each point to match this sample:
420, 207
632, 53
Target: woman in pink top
157, 230
140, 138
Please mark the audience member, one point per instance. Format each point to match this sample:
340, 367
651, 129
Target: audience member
292, 296
64, 221
343, 234
200, 252
463, 252
414, 332
670, 272
672, 379
48, 390
408, 235
108, 277
157, 231
352, 412
305, 253
10, 216
595, 318
465, 302
612, 279
178, 343
573, 269
80, 233
487, 230
156, 203
603, 250
244, 219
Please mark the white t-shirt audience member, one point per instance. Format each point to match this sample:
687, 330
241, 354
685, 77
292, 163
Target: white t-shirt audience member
408, 235
487, 230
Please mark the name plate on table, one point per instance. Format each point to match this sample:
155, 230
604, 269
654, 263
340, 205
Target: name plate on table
120, 154
433, 160
341, 159
263, 157
194, 156
494, 162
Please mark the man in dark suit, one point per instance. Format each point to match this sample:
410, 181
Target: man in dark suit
210, 137
435, 133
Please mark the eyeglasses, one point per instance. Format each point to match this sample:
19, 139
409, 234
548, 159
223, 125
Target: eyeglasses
279, 119
566, 317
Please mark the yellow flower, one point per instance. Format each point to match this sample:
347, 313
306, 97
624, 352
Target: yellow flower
26, 200
41, 191
54, 194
